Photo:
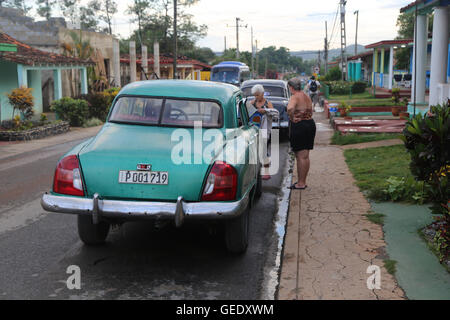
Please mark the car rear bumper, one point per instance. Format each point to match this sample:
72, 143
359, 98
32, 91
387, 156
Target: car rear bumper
135, 210
281, 125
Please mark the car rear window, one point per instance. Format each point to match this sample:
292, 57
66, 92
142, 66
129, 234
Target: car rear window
269, 91
167, 112
137, 110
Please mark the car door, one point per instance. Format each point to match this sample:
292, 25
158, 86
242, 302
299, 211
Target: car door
250, 132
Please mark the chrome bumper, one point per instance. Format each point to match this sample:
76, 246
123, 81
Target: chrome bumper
134, 210
281, 125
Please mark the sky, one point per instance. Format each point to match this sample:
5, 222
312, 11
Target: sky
295, 24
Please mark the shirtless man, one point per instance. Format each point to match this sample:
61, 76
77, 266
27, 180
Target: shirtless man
302, 131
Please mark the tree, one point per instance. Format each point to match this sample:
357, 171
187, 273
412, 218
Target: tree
107, 9
5, 3
88, 17
45, 8
70, 10
405, 24
205, 55
21, 4
139, 9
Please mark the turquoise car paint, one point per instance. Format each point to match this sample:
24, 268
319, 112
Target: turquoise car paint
123, 146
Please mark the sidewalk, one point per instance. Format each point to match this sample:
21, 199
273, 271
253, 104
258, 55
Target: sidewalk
329, 242
10, 149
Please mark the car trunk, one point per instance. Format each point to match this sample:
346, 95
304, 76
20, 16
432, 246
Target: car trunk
122, 147
280, 104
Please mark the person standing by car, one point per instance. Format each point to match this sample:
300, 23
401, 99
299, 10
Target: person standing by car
302, 131
313, 90
259, 111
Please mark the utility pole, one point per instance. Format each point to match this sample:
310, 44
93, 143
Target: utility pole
356, 37
343, 40
319, 62
225, 43
175, 44
253, 58
237, 36
257, 58
326, 47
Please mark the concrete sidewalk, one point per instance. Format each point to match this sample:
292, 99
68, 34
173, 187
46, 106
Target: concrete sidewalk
330, 243
11, 149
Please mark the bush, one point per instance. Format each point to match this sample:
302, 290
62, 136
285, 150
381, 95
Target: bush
100, 103
22, 99
75, 111
427, 139
93, 122
359, 87
344, 87
334, 74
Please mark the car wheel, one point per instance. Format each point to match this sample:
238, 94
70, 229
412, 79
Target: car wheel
91, 234
236, 233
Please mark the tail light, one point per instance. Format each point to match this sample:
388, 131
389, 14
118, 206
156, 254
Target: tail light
221, 184
68, 177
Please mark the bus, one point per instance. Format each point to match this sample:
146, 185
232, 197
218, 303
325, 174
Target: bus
230, 72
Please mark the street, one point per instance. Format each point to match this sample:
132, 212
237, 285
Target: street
139, 261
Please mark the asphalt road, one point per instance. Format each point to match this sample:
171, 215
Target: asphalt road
138, 261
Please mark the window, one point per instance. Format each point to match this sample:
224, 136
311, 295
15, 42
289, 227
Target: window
167, 112
270, 91
185, 113
137, 110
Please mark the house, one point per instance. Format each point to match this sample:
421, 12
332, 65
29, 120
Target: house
440, 58
22, 65
359, 67
187, 68
383, 62
54, 35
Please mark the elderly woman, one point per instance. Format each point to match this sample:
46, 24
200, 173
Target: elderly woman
302, 130
259, 111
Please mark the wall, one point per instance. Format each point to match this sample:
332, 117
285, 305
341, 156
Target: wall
7, 83
40, 34
100, 41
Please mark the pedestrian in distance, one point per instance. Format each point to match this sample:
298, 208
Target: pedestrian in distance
313, 89
302, 130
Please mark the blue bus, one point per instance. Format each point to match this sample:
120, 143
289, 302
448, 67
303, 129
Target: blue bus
230, 72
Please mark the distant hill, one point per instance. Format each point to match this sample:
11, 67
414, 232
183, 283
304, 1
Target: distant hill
312, 55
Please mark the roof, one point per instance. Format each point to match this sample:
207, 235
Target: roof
182, 89
166, 59
277, 83
424, 5
33, 57
360, 56
388, 43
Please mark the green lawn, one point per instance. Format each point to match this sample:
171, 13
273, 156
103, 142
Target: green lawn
358, 96
354, 138
373, 167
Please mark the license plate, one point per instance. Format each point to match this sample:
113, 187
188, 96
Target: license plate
139, 177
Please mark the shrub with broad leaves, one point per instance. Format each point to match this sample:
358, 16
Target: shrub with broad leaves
427, 139
22, 99
75, 111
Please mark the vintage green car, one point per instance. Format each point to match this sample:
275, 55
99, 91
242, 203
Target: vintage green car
148, 162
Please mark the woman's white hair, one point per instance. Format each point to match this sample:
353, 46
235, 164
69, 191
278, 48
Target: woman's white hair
257, 89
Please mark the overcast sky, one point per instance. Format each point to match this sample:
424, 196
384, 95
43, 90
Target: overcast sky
295, 24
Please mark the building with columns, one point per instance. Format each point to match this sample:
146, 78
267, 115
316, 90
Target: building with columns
22, 65
440, 58
383, 62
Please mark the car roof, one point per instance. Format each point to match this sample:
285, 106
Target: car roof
268, 82
189, 89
